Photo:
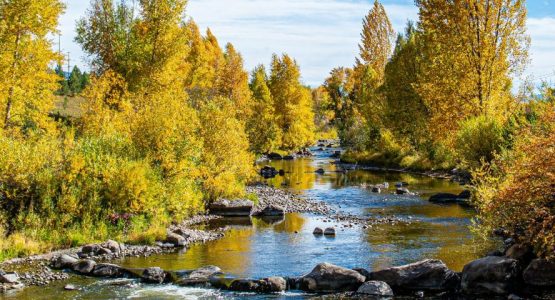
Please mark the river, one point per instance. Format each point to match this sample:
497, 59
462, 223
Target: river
255, 248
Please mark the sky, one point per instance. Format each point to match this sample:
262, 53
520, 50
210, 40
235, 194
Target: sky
319, 34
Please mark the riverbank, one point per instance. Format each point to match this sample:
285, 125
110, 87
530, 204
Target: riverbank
36, 270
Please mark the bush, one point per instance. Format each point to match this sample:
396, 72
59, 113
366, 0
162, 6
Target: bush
478, 140
516, 192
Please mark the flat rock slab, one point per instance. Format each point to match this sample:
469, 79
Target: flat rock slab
231, 208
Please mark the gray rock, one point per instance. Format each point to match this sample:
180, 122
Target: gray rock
198, 276
107, 270
176, 239
63, 261
490, 275
113, 246
275, 284
9, 278
85, 266
321, 171
232, 208
246, 285
318, 231
330, 231
376, 189
104, 251
427, 275
90, 249
326, 277
540, 272
270, 211
154, 275
375, 288
70, 287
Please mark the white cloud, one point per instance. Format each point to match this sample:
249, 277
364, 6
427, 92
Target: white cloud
542, 49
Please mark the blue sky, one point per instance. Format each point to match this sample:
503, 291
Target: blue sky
319, 34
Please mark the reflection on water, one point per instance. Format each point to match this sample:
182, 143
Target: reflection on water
286, 247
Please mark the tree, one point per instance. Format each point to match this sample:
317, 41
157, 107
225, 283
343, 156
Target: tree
263, 128
470, 49
233, 83
406, 113
293, 103
26, 84
376, 40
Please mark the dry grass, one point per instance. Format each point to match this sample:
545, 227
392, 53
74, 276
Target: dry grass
69, 106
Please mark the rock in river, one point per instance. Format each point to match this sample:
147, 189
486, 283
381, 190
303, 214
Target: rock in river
198, 276
176, 239
330, 231
540, 272
9, 278
232, 208
326, 277
153, 275
63, 261
426, 275
85, 266
318, 231
375, 288
271, 210
107, 270
490, 275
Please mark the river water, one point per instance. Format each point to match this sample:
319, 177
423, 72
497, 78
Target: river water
255, 248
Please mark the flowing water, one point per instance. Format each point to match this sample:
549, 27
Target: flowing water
257, 248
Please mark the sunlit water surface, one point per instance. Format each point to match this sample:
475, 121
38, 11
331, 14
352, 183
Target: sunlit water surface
257, 248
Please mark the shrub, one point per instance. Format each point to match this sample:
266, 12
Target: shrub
479, 139
516, 192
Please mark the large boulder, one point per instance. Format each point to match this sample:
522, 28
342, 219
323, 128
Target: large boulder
107, 270
64, 261
176, 239
113, 246
153, 275
232, 208
266, 285
447, 198
198, 276
541, 273
326, 277
491, 275
85, 266
426, 275
375, 288
271, 210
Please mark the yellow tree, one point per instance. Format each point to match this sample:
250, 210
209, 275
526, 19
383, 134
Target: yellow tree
293, 103
264, 131
233, 83
368, 103
26, 84
470, 48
